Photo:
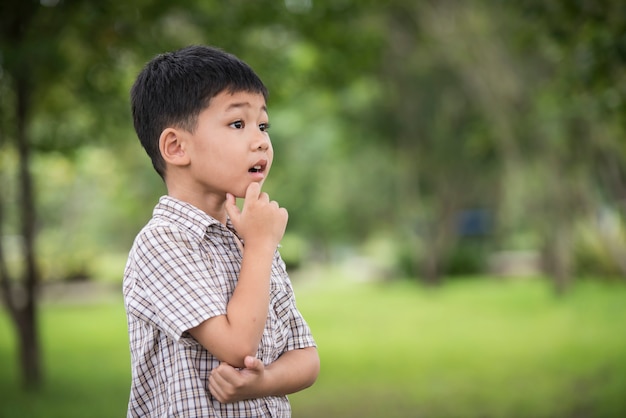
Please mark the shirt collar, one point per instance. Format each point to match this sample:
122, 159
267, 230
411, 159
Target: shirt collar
186, 215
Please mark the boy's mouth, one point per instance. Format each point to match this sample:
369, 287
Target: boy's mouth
258, 167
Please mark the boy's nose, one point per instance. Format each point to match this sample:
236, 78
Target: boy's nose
261, 142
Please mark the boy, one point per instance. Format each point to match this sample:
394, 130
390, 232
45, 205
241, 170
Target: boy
213, 326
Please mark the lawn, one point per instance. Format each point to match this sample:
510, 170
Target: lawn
474, 348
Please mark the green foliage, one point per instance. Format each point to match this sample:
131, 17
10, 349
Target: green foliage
600, 246
468, 257
293, 250
92, 211
385, 116
583, 38
474, 348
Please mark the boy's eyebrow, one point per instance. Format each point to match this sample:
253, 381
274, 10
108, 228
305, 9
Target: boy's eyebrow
243, 104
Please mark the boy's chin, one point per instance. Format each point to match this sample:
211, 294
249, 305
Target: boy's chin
241, 194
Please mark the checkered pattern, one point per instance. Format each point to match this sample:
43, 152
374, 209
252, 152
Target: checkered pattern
181, 271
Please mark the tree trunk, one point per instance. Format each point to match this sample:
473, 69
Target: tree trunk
441, 237
431, 269
29, 348
19, 294
557, 260
26, 313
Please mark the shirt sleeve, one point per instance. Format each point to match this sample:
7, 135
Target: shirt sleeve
178, 287
301, 336
299, 333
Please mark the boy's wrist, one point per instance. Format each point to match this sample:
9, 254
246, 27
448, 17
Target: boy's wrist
261, 246
267, 386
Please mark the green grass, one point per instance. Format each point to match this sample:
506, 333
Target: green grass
86, 364
471, 349
476, 348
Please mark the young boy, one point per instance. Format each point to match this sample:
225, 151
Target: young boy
214, 329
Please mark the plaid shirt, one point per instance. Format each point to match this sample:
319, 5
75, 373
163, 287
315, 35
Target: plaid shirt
181, 271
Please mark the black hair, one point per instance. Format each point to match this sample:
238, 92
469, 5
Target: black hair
173, 88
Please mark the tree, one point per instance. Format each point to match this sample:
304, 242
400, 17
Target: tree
581, 108
49, 47
16, 19
65, 59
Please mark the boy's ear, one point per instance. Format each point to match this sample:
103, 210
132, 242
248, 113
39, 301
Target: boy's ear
172, 147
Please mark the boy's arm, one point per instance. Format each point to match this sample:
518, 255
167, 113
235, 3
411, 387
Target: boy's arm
237, 334
295, 370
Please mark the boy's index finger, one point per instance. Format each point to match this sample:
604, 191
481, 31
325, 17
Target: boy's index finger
253, 191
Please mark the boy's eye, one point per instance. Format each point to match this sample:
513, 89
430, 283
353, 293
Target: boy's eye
238, 124
264, 127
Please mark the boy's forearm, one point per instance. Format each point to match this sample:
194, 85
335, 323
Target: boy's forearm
294, 371
233, 336
247, 309
291, 372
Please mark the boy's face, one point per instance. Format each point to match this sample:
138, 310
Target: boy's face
231, 147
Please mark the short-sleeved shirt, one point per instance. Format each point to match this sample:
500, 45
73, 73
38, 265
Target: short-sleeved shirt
182, 270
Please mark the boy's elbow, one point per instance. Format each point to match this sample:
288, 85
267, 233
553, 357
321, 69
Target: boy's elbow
236, 357
314, 366
228, 345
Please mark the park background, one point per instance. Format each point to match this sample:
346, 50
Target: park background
454, 172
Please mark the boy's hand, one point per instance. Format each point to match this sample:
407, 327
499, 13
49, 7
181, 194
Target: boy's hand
228, 384
260, 221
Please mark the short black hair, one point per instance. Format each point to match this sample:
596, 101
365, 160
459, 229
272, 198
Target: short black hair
174, 87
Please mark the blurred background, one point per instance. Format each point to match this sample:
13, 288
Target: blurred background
454, 172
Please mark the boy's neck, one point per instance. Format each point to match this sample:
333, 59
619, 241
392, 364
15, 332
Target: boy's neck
212, 205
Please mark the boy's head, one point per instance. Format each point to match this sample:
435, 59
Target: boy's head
173, 88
